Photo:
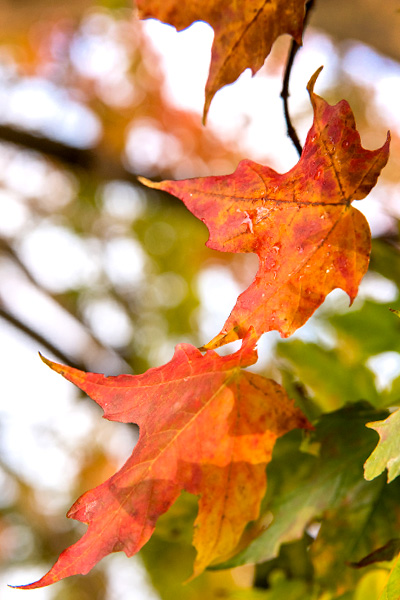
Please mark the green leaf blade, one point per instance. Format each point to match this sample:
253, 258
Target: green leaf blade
387, 451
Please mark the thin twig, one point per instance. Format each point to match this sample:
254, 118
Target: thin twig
291, 131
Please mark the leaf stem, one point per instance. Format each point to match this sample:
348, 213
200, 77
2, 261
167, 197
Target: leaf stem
291, 131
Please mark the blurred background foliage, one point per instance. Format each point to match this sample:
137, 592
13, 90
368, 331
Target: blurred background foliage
102, 274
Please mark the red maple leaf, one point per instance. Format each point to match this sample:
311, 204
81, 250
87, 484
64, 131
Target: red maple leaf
244, 31
207, 427
308, 237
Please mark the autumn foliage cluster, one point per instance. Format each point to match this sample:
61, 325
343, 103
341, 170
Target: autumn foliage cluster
207, 425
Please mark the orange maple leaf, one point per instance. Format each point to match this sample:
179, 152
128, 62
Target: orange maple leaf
244, 31
308, 237
207, 427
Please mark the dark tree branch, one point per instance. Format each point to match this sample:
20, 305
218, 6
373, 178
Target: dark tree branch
294, 48
91, 163
40, 339
9, 251
92, 160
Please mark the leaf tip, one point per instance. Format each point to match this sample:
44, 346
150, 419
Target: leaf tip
386, 146
28, 586
48, 362
313, 79
61, 369
367, 474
